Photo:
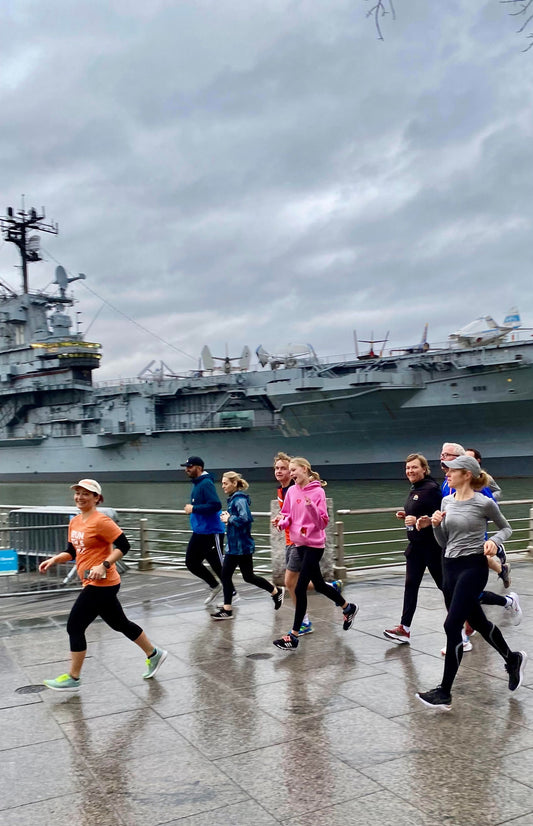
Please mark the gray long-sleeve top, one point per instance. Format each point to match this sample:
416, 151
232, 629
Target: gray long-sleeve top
463, 529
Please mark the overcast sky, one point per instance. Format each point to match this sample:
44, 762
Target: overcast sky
267, 171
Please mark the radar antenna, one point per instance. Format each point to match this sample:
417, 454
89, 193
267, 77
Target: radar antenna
15, 227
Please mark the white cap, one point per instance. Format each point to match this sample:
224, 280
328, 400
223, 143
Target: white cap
89, 484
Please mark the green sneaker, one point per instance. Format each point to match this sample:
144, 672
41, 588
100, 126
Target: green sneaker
63, 683
153, 664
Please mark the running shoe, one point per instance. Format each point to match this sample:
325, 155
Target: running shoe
154, 663
514, 609
469, 631
505, 574
515, 667
287, 643
348, 615
398, 634
277, 598
306, 627
436, 698
337, 584
213, 594
500, 553
222, 614
467, 646
63, 683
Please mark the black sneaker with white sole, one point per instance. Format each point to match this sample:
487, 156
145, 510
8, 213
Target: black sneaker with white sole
222, 615
277, 598
436, 698
515, 667
348, 614
287, 643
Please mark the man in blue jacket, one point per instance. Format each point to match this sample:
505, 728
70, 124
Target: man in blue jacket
207, 540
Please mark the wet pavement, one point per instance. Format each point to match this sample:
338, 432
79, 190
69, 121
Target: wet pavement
233, 731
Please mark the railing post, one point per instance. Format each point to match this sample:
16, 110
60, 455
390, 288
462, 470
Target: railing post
530, 545
145, 562
339, 568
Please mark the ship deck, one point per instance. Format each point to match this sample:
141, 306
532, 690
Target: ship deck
234, 731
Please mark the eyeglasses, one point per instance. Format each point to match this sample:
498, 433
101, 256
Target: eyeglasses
448, 455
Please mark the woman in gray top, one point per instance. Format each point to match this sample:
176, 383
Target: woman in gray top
460, 528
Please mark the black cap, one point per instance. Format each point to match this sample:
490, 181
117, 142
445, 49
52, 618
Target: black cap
193, 460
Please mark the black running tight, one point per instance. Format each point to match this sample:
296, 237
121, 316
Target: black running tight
98, 601
310, 572
208, 546
464, 580
246, 565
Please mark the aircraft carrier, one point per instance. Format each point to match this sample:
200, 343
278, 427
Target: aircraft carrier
355, 417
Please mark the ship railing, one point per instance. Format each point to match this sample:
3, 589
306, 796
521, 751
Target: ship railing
364, 539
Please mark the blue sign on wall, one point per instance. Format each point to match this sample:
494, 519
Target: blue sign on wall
9, 563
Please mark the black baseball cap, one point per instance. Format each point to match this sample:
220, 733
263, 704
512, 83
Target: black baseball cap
193, 460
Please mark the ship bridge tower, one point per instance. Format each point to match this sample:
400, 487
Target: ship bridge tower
16, 226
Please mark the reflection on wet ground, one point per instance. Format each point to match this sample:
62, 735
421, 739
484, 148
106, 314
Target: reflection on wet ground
233, 731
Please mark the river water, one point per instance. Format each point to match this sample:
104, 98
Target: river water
358, 494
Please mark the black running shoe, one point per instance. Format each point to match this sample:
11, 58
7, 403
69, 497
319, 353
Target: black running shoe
436, 698
349, 613
500, 553
222, 615
515, 667
277, 598
505, 574
287, 643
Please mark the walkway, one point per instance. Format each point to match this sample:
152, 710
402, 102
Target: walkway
234, 732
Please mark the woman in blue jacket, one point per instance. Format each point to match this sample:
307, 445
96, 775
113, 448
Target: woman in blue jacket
240, 545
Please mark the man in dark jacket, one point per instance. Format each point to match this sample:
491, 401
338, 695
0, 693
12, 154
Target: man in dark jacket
207, 540
423, 550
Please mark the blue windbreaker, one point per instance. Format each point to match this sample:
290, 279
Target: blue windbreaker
239, 525
205, 516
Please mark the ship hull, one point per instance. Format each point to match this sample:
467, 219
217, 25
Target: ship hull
369, 444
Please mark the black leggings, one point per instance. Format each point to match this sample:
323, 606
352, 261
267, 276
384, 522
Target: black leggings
208, 546
98, 601
310, 572
416, 561
246, 564
464, 580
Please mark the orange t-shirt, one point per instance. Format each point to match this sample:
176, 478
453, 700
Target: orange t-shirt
93, 541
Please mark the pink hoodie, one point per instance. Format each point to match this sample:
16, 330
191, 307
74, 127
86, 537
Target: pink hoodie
305, 513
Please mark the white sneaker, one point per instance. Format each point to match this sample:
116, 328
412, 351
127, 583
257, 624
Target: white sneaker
213, 594
467, 646
514, 608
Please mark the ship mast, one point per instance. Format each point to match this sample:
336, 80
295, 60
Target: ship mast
15, 228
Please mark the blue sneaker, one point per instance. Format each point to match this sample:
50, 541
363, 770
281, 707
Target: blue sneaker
337, 584
63, 683
153, 664
306, 627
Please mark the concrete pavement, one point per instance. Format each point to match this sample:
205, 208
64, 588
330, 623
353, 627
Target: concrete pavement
233, 731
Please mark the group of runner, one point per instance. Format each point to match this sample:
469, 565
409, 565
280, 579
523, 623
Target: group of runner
446, 531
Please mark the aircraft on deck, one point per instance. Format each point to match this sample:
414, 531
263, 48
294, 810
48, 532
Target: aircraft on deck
485, 330
289, 356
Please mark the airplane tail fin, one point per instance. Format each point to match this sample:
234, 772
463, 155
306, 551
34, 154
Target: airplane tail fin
512, 319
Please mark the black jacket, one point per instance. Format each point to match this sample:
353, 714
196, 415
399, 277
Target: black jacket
424, 499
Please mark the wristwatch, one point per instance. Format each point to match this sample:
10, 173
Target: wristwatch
106, 564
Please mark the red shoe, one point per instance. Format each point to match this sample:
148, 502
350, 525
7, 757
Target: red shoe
398, 634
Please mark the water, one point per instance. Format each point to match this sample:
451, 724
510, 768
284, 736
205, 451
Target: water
358, 494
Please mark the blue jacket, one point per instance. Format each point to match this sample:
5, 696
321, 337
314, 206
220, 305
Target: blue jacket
446, 490
239, 525
206, 507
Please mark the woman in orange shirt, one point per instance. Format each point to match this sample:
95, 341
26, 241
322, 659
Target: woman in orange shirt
91, 537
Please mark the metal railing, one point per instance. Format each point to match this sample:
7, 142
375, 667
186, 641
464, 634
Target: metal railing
364, 539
